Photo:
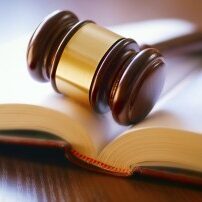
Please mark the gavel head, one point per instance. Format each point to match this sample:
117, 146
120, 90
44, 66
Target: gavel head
96, 66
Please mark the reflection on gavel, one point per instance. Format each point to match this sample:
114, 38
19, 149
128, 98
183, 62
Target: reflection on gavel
96, 66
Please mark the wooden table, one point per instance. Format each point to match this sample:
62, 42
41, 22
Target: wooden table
30, 174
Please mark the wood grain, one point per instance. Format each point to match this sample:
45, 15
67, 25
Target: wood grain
31, 174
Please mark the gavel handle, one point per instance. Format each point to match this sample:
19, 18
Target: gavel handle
189, 43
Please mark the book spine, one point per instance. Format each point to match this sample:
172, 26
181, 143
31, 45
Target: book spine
97, 166
71, 154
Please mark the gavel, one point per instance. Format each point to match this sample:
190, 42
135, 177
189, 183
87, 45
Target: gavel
96, 66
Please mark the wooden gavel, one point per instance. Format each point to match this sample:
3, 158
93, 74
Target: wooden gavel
96, 66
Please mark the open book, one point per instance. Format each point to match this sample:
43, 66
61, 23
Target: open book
168, 143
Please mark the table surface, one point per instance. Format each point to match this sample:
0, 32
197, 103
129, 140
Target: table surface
30, 174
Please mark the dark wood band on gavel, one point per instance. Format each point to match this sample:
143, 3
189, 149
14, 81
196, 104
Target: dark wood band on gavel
96, 66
